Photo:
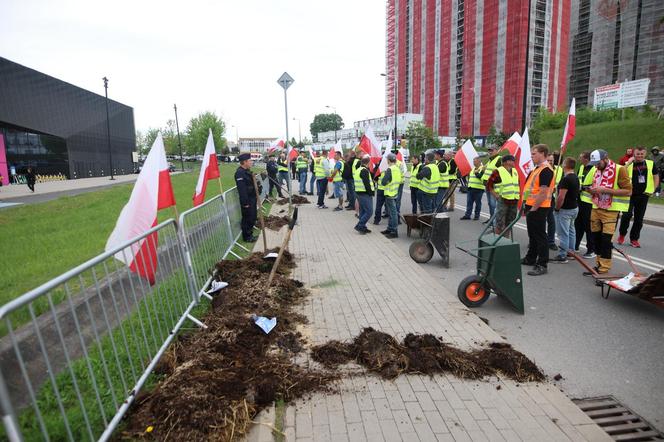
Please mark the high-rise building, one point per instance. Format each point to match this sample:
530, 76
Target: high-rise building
462, 63
614, 41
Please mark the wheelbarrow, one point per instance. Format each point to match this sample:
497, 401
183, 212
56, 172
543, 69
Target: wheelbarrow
434, 232
647, 288
498, 269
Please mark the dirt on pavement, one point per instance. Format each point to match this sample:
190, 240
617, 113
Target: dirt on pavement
296, 199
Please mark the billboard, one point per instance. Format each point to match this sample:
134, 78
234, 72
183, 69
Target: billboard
620, 95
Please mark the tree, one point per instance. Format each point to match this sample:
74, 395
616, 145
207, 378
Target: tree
324, 123
293, 142
145, 140
496, 138
420, 137
196, 134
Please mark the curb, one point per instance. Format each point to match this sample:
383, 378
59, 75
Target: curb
653, 222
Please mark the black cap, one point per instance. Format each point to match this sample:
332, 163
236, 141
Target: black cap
244, 157
508, 158
440, 152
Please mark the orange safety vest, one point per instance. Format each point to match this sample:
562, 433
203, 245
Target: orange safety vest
533, 187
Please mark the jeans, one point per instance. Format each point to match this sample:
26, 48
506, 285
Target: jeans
399, 198
283, 177
492, 203
350, 192
321, 183
637, 206
338, 187
582, 225
414, 198
440, 196
312, 180
566, 231
365, 201
538, 249
302, 176
380, 200
551, 227
474, 196
426, 202
391, 206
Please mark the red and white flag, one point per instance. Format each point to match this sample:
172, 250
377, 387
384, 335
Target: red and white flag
209, 170
312, 154
524, 161
277, 144
292, 153
152, 192
334, 149
512, 144
570, 128
369, 144
382, 167
464, 157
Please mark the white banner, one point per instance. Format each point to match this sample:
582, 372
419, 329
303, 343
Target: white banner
620, 95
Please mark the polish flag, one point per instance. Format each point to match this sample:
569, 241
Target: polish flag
512, 144
209, 170
524, 162
464, 158
334, 149
570, 128
277, 144
369, 144
312, 154
292, 153
152, 191
382, 167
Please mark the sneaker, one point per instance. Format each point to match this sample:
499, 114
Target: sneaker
362, 232
590, 255
560, 260
621, 239
385, 232
322, 207
538, 270
338, 209
553, 247
476, 218
635, 244
525, 262
392, 235
350, 208
365, 230
465, 217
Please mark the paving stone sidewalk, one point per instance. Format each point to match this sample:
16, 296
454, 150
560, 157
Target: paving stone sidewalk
359, 281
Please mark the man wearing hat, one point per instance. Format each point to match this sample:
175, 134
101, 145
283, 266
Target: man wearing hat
610, 191
244, 180
322, 172
444, 182
390, 182
491, 165
504, 184
428, 178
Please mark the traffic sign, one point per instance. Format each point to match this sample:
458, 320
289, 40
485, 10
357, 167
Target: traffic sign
285, 80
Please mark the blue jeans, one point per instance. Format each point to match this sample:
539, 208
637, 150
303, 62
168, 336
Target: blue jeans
350, 192
566, 231
338, 187
380, 200
414, 199
283, 177
400, 192
551, 227
322, 188
312, 180
492, 203
391, 206
426, 202
302, 176
365, 202
473, 197
440, 196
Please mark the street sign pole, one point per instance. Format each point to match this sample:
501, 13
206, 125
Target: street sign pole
285, 81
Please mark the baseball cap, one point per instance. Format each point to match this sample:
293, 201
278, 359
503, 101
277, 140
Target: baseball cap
440, 152
244, 157
508, 158
597, 155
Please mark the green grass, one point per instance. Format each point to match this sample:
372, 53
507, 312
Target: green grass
612, 136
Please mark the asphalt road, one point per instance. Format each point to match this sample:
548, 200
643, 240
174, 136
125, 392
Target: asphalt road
611, 346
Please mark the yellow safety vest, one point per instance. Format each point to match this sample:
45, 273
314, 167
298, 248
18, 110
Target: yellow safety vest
490, 167
319, 170
618, 203
559, 174
301, 163
508, 188
473, 181
399, 166
337, 176
444, 177
650, 182
281, 168
430, 185
392, 188
359, 184
414, 182
587, 180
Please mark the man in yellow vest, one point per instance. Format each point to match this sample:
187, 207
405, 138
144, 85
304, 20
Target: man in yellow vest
414, 182
337, 180
322, 172
645, 179
282, 169
390, 181
610, 192
504, 184
428, 178
451, 176
364, 191
582, 222
491, 165
301, 165
475, 189
444, 180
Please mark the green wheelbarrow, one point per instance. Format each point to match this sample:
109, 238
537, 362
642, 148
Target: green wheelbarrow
498, 269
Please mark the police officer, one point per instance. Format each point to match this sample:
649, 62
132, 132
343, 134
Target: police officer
244, 180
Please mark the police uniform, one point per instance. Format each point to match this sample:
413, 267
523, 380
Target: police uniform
247, 193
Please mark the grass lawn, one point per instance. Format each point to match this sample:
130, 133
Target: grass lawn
44, 240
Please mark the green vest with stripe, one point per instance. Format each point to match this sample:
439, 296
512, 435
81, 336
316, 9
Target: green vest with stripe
301, 164
490, 167
650, 181
444, 177
337, 176
392, 188
414, 182
430, 185
319, 170
619, 203
282, 168
473, 181
587, 180
359, 184
508, 188
399, 164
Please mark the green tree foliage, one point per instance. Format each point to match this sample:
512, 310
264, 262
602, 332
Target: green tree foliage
324, 123
293, 142
420, 137
196, 134
496, 138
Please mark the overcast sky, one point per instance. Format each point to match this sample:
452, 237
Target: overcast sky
224, 56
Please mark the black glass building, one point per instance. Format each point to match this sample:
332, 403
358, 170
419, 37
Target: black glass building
56, 127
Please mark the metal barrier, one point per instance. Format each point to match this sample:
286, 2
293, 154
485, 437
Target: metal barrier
102, 333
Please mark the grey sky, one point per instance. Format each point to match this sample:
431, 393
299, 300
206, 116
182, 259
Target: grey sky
223, 56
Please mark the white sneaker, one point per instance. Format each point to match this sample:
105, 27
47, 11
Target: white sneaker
589, 255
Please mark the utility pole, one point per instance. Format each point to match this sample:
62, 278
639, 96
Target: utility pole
108, 129
285, 81
177, 126
525, 80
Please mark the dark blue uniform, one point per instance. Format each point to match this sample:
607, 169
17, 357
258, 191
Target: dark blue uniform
245, 189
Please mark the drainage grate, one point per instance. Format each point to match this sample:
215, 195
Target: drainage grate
618, 421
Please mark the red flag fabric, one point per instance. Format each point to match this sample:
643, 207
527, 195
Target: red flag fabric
464, 158
524, 163
570, 128
152, 191
277, 144
292, 154
209, 170
369, 144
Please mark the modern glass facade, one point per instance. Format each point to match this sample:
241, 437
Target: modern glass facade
57, 127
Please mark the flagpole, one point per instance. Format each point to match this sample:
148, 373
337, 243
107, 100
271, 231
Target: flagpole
221, 188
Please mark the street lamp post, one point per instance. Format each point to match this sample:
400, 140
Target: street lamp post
394, 146
335, 123
299, 129
177, 126
285, 82
108, 129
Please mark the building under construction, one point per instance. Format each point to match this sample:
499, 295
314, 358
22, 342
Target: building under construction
614, 41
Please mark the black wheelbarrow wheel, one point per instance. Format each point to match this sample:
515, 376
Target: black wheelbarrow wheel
471, 292
421, 251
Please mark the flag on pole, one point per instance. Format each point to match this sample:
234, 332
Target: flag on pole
312, 154
277, 144
152, 192
512, 144
570, 128
382, 167
292, 154
464, 158
524, 161
369, 144
209, 170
